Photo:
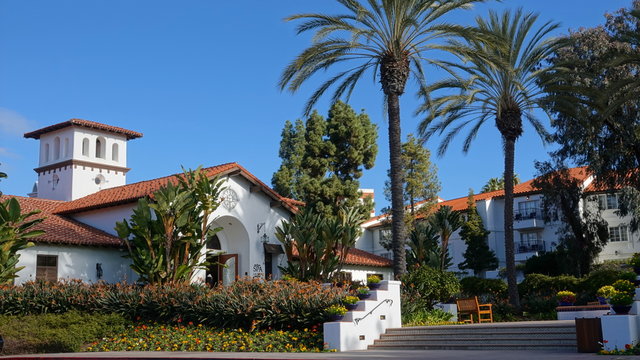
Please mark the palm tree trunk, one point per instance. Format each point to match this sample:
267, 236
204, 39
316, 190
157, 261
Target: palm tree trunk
509, 155
397, 204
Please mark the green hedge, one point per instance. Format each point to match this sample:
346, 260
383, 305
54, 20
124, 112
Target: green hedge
487, 289
50, 333
248, 303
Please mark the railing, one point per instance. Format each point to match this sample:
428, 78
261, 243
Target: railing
528, 214
385, 301
529, 246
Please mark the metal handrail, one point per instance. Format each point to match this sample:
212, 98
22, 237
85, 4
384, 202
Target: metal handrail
372, 310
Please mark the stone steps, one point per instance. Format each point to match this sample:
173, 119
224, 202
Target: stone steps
536, 335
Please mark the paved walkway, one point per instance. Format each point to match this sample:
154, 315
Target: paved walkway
357, 355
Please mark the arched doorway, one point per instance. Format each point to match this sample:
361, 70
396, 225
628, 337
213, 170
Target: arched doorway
228, 252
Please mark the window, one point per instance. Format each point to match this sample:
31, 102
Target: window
67, 150
618, 233
47, 267
56, 148
46, 152
100, 146
608, 201
530, 237
528, 210
85, 147
530, 242
114, 152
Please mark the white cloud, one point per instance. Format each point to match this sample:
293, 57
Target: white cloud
13, 123
4, 152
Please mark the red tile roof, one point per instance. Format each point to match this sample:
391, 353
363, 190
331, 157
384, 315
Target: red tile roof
60, 229
130, 134
522, 189
363, 258
131, 193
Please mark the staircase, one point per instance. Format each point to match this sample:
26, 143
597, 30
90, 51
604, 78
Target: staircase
529, 335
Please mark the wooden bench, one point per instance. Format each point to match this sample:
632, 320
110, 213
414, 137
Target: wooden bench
470, 307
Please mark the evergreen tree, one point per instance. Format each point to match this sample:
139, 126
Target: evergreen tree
322, 160
420, 179
477, 257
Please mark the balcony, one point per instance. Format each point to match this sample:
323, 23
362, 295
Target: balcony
528, 220
527, 249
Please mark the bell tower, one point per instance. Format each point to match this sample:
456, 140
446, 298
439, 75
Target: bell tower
80, 157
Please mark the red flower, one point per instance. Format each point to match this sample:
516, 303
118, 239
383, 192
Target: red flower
627, 346
605, 341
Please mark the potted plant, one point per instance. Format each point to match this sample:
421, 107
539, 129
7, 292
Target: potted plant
604, 294
363, 292
621, 302
373, 282
625, 286
635, 262
350, 302
566, 298
336, 312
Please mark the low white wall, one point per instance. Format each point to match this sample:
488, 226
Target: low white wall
373, 316
78, 262
360, 273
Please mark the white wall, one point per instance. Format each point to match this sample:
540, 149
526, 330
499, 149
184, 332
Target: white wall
78, 262
360, 273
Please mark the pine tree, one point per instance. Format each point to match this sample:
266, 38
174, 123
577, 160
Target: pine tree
322, 160
478, 257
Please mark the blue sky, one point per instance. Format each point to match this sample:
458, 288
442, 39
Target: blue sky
199, 79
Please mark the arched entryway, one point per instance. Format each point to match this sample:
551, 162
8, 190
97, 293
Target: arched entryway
227, 252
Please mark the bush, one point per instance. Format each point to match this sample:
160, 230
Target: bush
423, 286
490, 290
553, 263
48, 333
427, 317
247, 303
158, 337
603, 276
546, 286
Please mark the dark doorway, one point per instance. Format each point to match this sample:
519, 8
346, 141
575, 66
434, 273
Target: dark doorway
213, 269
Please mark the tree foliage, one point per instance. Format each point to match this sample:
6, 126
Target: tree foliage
166, 235
390, 38
424, 249
322, 160
497, 81
594, 98
478, 256
317, 246
583, 232
420, 179
495, 183
16, 229
445, 221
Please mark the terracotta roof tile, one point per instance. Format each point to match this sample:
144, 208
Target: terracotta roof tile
130, 134
364, 258
62, 230
131, 193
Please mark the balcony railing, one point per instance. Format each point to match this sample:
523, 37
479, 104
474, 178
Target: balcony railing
528, 215
529, 246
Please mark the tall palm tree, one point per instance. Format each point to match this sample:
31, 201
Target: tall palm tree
446, 222
389, 38
497, 81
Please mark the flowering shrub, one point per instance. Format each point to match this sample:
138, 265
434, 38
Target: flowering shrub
566, 296
625, 286
336, 310
157, 337
606, 291
247, 303
635, 260
621, 299
628, 350
362, 290
373, 279
350, 300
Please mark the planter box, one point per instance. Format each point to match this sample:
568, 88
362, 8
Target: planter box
620, 330
586, 311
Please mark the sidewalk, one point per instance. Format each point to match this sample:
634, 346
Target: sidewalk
375, 355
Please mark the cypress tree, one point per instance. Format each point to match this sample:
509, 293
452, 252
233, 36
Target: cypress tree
478, 256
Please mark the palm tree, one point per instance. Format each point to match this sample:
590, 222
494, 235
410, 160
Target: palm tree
423, 244
389, 38
495, 183
501, 85
446, 222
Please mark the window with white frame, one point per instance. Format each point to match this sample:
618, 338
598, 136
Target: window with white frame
528, 208
608, 201
619, 233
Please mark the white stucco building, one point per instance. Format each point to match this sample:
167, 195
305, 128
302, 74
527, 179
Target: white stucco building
82, 191
532, 235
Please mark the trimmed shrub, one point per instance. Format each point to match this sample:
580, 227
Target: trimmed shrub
487, 289
247, 303
547, 286
47, 333
423, 286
